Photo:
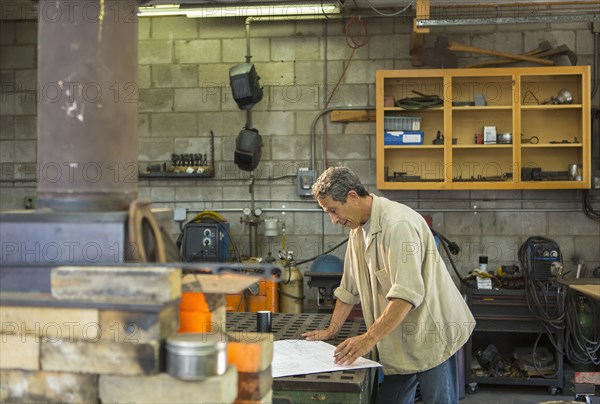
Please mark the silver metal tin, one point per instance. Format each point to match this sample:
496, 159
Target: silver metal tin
504, 138
196, 356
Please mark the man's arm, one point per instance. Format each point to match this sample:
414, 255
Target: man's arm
394, 313
340, 314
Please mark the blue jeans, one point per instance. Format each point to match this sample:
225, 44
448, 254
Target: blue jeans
437, 386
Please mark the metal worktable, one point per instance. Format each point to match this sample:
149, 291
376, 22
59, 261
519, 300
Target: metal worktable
355, 386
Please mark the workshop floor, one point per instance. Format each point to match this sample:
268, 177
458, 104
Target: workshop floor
490, 394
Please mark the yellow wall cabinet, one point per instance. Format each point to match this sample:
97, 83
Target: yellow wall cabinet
435, 128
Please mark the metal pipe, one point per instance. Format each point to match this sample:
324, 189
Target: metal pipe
425, 210
313, 140
445, 22
248, 59
253, 221
87, 112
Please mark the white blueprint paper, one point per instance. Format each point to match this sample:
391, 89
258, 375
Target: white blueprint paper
301, 357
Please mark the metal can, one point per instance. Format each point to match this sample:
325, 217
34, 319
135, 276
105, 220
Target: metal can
196, 356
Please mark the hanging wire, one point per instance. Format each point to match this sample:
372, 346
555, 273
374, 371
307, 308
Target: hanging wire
356, 38
588, 209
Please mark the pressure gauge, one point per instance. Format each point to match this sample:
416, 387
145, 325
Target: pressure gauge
257, 212
247, 211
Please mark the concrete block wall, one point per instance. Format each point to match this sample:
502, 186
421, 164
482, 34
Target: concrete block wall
184, 94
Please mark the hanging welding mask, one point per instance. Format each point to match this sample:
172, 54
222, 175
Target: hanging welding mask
248, 149
245, 86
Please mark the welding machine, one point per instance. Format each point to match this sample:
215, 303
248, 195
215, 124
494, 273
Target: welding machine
205, 242
538, 254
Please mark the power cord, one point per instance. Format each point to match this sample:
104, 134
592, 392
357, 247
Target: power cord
323, 253
539, 298
581, 346
588, 209
421, 102
451, 248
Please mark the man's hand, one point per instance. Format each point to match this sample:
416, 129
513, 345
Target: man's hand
320, 335
353, 348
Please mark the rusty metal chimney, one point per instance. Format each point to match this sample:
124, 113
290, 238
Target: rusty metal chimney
87, 108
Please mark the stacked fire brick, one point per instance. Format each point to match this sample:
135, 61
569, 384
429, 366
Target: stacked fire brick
251, 353
100, 338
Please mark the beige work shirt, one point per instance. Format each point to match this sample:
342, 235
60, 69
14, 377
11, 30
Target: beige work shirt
401, 261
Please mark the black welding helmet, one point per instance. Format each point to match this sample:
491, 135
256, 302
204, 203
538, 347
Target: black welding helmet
248, 149
245, 85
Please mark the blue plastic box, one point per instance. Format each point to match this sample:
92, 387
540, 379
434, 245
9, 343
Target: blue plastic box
403, 137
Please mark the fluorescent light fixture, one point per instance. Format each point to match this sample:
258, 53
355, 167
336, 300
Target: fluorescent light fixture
160, 10
242, 10
260, 10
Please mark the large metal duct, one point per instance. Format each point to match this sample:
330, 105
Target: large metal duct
87, 108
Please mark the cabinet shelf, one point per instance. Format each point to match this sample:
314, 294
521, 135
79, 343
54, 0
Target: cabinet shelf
398, 109
482, 146
552, 107
482, 108
420, 147
517, 102
551, 145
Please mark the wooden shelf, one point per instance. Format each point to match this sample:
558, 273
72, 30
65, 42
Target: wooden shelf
517, 102
485, 108
482, 146
174, 175
550, 106
550, 145
420, 147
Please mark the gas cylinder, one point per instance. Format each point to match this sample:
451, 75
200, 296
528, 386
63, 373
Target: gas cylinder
586, 325
291, 286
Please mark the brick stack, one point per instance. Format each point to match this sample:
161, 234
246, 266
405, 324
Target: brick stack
98, 338
252, 353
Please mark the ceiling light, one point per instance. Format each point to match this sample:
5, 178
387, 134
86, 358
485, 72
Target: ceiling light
260, 10
160, 10
241, 10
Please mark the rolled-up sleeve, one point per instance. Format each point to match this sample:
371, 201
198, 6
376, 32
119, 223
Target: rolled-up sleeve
404, 261
346, 297
347, 292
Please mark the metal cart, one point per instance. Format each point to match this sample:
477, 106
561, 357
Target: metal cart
505, 320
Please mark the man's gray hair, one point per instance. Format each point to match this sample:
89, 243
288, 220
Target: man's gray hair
336, 182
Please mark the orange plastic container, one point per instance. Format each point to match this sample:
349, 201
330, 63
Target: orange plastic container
194, 315
267, 298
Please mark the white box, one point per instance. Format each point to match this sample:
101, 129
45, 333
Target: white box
489, 135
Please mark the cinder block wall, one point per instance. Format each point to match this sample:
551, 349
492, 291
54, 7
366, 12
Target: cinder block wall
184, 94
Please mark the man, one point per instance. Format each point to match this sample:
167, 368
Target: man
416, 318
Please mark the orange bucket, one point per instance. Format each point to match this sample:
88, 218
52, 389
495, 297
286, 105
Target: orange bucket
194, 315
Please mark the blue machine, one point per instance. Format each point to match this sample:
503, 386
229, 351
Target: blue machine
206, 242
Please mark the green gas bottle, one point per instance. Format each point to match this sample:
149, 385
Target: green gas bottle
586, 325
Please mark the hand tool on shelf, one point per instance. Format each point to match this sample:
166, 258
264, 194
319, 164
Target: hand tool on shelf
438, 56
542, 47
460, 47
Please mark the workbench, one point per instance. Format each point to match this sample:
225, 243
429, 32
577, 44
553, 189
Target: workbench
584, 383
347, 387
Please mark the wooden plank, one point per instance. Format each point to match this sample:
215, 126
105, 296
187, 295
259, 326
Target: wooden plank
592, 291
422, 13
365, 115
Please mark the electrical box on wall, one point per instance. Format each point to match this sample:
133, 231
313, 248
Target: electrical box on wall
305, 180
